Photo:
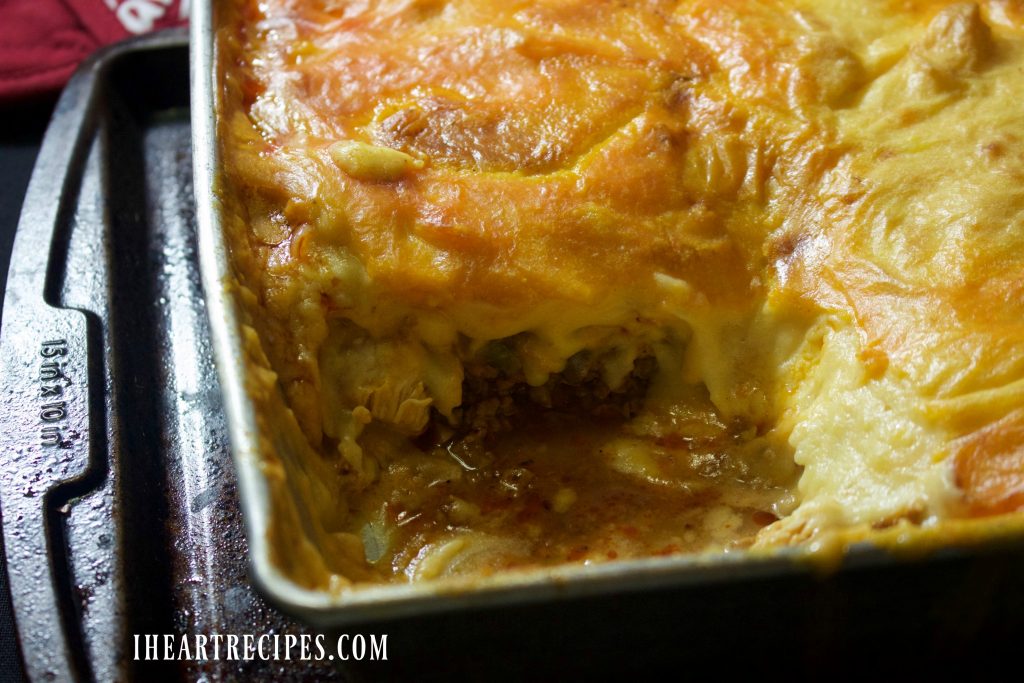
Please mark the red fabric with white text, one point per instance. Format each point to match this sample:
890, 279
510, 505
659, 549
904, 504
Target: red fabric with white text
42, 41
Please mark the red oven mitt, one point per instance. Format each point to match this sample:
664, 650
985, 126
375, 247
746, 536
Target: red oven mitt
42, 41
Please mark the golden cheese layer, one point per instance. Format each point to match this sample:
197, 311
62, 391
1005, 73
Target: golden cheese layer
809, 214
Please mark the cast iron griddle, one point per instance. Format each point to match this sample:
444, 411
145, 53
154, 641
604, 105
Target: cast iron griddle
120, 515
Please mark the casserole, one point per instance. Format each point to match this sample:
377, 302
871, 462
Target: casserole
778, 280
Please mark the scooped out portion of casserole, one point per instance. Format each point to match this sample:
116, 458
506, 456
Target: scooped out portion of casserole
535, 282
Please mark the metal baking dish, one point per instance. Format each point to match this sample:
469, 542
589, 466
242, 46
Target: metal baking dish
603, 614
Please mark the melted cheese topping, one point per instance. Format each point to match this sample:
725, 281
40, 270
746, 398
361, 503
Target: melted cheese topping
809, 213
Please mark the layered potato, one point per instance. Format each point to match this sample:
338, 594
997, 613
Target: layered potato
535, 282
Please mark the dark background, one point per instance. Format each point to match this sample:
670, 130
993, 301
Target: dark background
21, 130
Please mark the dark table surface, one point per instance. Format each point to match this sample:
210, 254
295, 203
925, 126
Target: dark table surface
21, 133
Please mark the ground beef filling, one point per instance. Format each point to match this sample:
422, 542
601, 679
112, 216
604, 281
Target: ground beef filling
497, 399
